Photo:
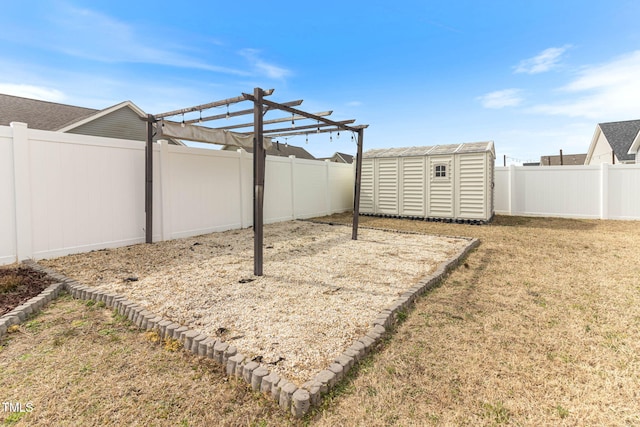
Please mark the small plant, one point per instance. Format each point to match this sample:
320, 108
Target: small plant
497, 413
13, 418
33, 325
90, 303
101, 304
172, 345
152, 336
401, 315
13, 328
562, 412
9, 282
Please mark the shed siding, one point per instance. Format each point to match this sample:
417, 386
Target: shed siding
366, 187
413, 186
471, 187
412, 182
387, 186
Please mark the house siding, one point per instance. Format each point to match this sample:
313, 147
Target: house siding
123, 123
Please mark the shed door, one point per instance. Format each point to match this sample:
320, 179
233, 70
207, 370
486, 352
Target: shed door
387, 185
472, 186
413, 184
441, 178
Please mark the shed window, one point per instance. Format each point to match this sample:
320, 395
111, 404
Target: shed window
441, 171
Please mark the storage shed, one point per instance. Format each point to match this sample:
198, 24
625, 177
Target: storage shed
451, 182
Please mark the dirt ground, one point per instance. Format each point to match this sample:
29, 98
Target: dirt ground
539, 326
19, 284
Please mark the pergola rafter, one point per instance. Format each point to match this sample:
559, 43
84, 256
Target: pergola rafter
260, 107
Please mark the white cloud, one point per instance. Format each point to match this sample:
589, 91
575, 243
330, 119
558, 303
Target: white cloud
501, 98
34, 92
543, 62
605, 91
262, 67
89, 34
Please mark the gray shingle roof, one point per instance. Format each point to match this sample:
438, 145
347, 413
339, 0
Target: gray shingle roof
281, 150
567, 159
620, 136
41, 115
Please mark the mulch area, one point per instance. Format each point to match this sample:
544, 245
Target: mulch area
19, 284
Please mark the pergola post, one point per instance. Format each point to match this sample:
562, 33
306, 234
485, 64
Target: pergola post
148, 181
356, 195
258, 181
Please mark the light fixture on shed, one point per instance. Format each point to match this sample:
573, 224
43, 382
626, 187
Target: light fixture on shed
227, 115
182, 124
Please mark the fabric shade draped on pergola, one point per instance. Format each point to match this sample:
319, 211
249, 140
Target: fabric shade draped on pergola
208, 135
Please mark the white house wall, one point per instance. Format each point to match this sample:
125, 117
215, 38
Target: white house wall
602, 151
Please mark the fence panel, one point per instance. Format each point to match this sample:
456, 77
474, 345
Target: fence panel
84, 196
278, 189
203, 190
623, 196
603, 191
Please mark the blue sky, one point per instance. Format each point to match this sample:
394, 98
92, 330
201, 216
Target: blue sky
533, 76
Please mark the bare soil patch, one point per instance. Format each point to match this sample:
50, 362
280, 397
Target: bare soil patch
19, 284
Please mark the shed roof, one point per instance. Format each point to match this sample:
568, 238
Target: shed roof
431, 150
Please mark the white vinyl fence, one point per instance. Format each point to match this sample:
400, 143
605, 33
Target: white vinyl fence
602, 191
64, 193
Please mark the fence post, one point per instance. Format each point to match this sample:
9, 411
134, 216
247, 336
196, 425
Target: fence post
512, 188
328, 187
165, 193
243, 185
604, 191
22, 190
292, 164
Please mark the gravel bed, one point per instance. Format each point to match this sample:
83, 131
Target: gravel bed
319, 292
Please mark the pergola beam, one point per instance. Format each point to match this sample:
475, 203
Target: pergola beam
272, 121
297, 129
220, 103
236, 114
304, 113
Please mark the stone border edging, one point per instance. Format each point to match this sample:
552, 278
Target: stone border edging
296, 400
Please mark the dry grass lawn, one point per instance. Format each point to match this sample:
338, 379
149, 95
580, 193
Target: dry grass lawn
540, 326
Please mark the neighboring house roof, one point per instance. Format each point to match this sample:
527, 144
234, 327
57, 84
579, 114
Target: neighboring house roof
567, 160
280, 149
38, 114
118, 121
339, 158
620, 136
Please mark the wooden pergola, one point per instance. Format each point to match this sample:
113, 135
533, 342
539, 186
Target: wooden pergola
188, 130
